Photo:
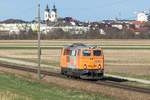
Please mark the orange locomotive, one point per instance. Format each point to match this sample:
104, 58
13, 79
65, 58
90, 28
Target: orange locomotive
79, 60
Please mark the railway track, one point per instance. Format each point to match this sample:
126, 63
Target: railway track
106, 83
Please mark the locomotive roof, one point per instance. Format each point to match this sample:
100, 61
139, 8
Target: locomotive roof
81, 46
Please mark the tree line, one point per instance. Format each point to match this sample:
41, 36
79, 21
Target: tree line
60, 34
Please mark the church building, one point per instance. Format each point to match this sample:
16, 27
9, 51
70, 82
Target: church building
50, 15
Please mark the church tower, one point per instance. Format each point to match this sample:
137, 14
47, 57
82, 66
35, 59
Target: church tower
53, 14
47, 14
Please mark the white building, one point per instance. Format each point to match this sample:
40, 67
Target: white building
50, 16
142, 16
47, 13
119, 26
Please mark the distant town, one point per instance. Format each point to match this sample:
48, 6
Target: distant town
54, 27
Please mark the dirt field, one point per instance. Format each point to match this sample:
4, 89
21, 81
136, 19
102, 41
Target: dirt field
122, 61
67, 42
128, 61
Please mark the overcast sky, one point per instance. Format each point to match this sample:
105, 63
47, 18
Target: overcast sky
84, 10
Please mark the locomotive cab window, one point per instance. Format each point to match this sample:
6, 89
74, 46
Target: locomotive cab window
86, 52
66, 52
73, 53
97, 52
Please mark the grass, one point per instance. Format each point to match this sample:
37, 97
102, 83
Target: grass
106, 78
137, 84
13, 88
125, 48
6, 95
123, 61
107, 48
42, 68
29, 48
33, 60
123, 56
123, 81
145, 77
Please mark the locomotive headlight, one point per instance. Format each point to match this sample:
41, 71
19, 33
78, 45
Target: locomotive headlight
99, 66
85, 67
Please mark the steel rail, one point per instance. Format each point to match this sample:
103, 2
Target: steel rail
125, 86
101, 82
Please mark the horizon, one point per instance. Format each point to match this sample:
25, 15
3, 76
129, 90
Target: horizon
91, 11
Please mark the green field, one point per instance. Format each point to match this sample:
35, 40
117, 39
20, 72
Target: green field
13, 88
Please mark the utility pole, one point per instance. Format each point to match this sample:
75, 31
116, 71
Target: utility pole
39, 48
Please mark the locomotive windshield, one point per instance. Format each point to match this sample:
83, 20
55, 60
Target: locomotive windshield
97, 53
87, 53
66, 52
